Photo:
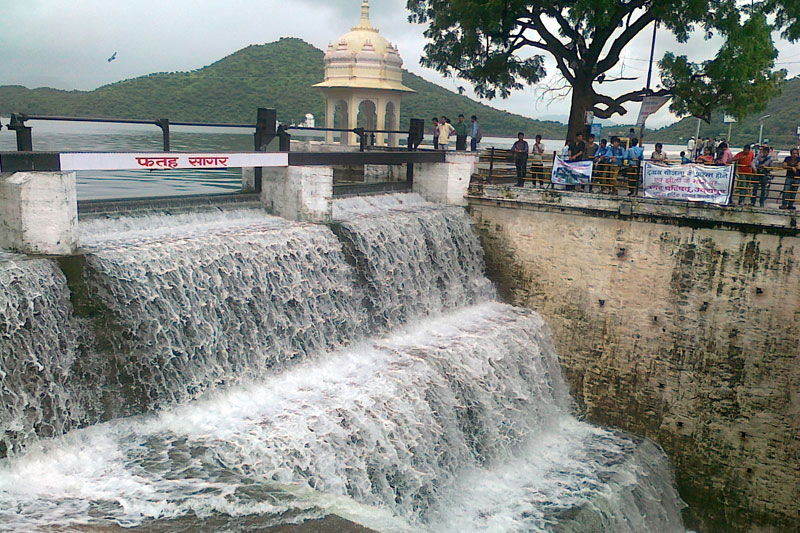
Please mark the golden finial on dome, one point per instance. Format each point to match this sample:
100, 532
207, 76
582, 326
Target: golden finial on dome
364, 22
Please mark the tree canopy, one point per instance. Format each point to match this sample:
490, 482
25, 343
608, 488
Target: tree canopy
498, 46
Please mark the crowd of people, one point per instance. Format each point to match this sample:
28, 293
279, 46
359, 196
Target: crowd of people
755, 166
444, 130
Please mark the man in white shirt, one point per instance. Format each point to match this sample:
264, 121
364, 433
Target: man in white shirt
446, 130
690, 148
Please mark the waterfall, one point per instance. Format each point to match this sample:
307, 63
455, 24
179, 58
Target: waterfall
40, 343
283, 372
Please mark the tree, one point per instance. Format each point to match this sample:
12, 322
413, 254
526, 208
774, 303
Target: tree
497, 45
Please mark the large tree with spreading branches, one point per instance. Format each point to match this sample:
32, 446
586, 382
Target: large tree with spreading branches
500, 46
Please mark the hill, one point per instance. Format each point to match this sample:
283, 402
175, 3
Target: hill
780, 128
278, 75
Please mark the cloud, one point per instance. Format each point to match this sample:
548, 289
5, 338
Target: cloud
65, 43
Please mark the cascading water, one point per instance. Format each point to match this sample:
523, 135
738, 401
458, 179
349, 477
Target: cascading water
413, 402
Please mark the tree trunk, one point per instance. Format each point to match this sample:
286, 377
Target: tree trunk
582, 101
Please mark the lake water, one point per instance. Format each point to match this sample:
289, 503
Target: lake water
66, 136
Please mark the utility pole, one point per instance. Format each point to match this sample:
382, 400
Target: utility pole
649, 77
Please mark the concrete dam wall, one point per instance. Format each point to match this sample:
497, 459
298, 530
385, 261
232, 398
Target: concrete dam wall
675, 322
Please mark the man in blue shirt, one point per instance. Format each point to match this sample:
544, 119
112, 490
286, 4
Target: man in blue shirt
612, 157
475, 134
635, 157
600, 154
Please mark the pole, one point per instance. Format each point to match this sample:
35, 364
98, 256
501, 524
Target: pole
649, 75
730, 126
696, 140
760, 133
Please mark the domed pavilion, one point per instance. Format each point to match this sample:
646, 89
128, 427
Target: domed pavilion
363, 82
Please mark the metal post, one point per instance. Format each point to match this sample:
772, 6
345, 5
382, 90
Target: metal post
491, 163
266, 122
362, 138
284, 139
163, 123
265, 128
24, 135
649, 75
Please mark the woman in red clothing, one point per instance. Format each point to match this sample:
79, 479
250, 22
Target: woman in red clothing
707, 158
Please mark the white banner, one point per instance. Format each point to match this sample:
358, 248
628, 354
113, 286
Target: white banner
650, 105
571, 172
695, 183
170, 160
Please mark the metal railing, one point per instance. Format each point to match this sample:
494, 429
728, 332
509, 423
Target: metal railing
496, 166
266, 129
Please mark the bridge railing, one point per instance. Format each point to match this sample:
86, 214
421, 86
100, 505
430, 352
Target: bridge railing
266, 128
496, 166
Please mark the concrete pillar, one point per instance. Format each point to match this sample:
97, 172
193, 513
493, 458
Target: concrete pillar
352, 120
380, 110
447, 182
330, 115
248, 179
39, 212
298, 193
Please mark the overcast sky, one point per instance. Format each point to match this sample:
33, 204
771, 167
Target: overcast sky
65, 43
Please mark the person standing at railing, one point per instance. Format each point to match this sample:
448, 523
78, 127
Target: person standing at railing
519, 151
635, 157
475, 134
602, 151
691, 146
743, 161
435, 133
761, 166
445, 132
792, 166
460, 128
538, 160
658, 155
706, 158
615, 154
724, 154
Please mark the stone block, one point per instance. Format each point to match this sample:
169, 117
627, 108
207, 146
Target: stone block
447, 182
39, 212
298, 193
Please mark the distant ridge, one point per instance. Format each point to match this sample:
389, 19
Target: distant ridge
278, 74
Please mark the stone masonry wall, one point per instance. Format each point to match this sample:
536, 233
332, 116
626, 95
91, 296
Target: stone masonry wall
682, 332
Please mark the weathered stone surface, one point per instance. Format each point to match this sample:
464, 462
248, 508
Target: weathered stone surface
39, 212
682, 328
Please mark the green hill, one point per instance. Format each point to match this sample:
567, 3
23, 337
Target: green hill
278, 75
780, 128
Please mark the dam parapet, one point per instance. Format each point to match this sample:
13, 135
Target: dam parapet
673, 320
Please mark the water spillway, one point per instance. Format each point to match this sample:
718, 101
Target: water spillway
239, 367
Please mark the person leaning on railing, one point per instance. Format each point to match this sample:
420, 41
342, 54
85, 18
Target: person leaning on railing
761, 166
635, 157
724, 155
659, 156
706, 158
744, 162
519, 151
792, 166
612, 158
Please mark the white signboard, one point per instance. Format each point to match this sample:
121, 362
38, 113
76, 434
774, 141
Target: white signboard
571, 172
650, 105
728, 119
695, 183
170, 160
